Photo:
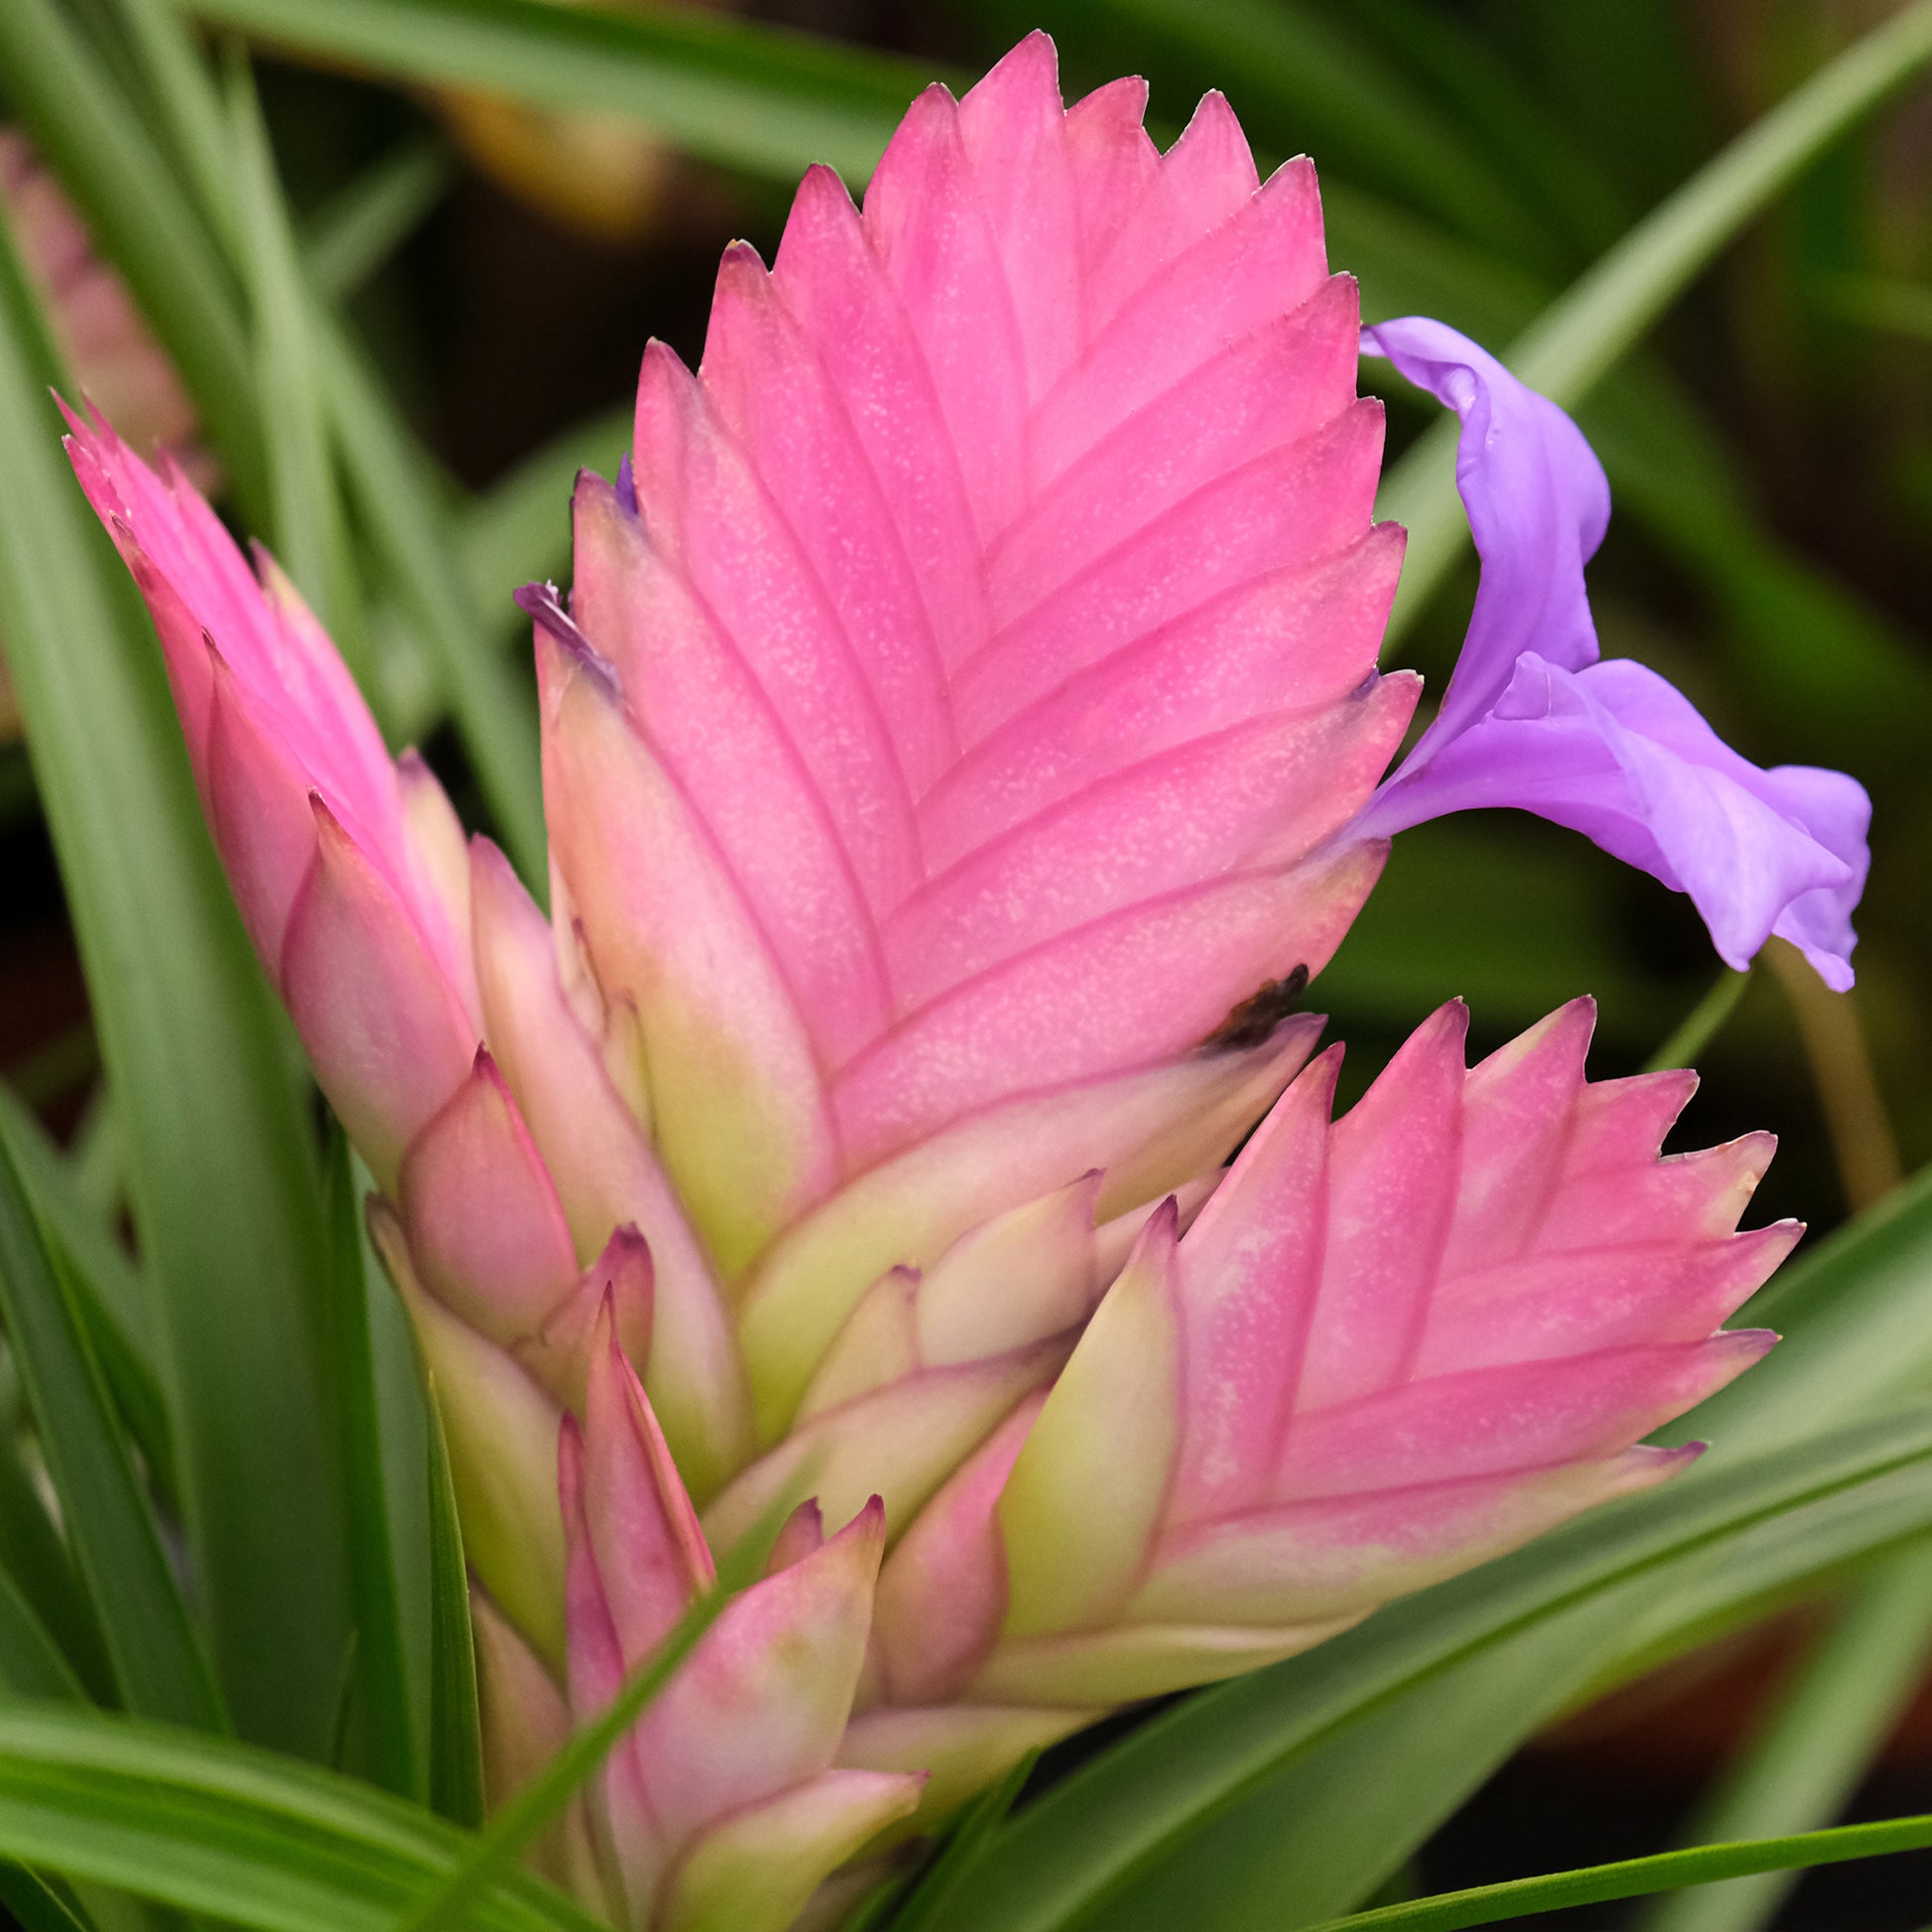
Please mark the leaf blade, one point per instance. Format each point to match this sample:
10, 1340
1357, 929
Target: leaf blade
759, 99
221, 1168
158, 1662
211, 1826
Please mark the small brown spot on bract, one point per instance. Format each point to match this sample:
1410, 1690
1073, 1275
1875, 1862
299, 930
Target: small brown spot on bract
1251, 1022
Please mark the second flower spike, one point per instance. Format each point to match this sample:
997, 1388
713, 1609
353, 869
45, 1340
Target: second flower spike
1390, 1347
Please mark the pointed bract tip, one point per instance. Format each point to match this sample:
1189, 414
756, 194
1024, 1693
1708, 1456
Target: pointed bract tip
803, 1534
867, 1525
1751, 1343
625, 1245
542, 604
1160, 1231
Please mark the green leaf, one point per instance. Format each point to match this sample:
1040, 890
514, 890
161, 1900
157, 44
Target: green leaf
111, 1297
455, 1731
383, 1700
969, 1842
1703, 1023
1828, 1725
1596, 321
759, 99
519, 528
517, 531
36, 1905
157, 1661
130, 197
389, 477
35, 1563
1633, 1877
1853, 1310
1305, 79
309, 531
250, 1839
409, 527
220, 1145
32, 1664
1277, 1787
354, 233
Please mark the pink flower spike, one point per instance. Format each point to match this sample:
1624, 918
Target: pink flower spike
1014, 533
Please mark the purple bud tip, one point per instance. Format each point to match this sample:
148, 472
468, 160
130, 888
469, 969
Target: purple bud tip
626, 484
541, 601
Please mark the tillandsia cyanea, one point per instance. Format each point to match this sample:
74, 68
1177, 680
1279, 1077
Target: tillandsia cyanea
962, 742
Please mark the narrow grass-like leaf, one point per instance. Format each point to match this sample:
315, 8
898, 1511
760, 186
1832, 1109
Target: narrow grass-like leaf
1854, 1311
392, 484
188, 112
759, 99
519, 528
220, 1158
1703, 1023
248, 1837
1634, 1877
1160, 1812
517, 531
350, 236
1594, 323
131, 199
61, 1201
1480, 86
37, 1906
32, 1664
383, 1701
1307, 77
1802, 1765
37, 1566
455, 1729
410, 527
157, 1660
969, 1842
310, 533
1879, 302
108, 1290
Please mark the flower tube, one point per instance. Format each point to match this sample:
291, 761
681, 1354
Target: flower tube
1533, 720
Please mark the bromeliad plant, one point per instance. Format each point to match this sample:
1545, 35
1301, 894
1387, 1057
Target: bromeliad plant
961, 747
896, 1158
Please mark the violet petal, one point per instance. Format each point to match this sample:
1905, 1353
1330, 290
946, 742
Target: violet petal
1531, 719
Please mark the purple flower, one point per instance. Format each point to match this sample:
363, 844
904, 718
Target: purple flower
1533, 720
